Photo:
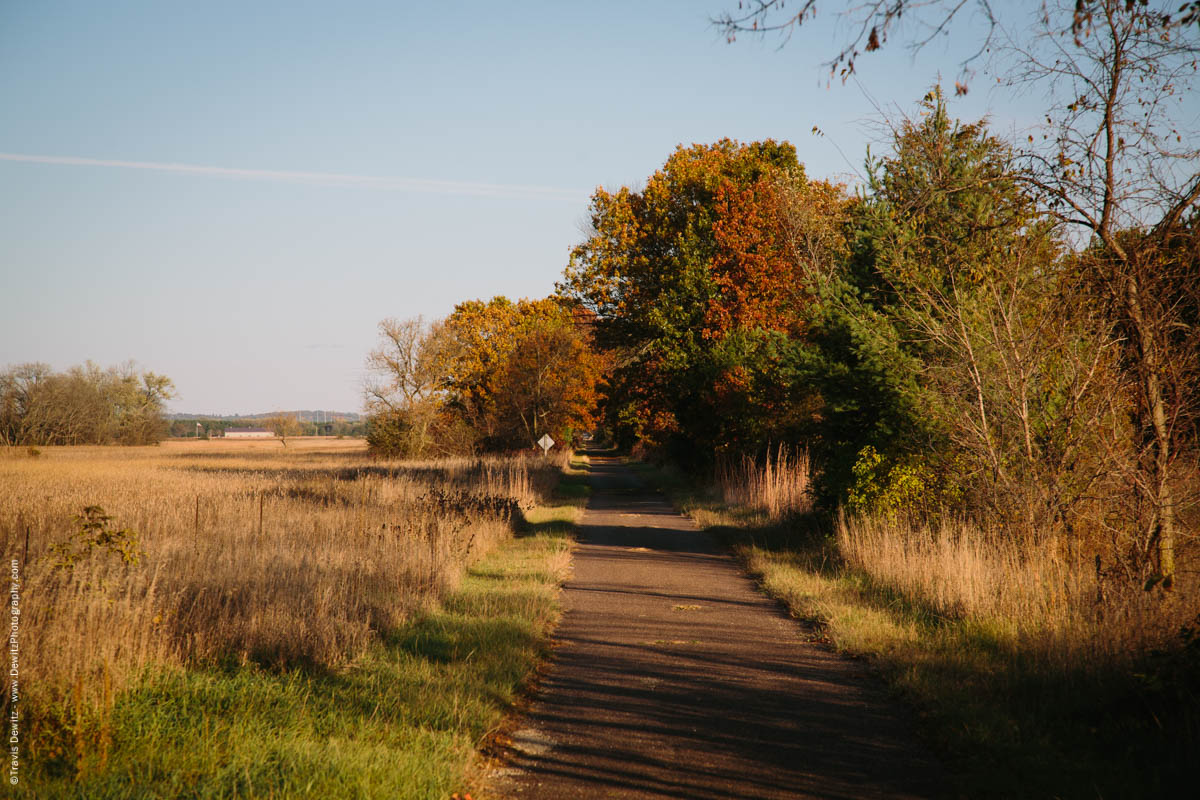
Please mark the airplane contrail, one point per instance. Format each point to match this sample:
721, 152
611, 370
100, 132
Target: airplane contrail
418, 185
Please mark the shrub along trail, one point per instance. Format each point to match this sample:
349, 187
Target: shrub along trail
674, 677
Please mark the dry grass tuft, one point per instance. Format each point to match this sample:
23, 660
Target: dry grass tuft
778, 486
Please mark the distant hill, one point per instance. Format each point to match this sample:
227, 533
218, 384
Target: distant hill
302, 416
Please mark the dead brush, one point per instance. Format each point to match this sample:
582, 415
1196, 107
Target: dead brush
465, 505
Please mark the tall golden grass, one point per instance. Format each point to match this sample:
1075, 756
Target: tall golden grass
249, 551
1025, 591
778, 485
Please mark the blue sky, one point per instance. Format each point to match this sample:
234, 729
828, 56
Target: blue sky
342, 163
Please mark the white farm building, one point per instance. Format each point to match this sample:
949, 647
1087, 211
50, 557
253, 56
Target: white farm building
248, 433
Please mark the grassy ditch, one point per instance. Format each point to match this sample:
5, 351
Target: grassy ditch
1020, 696
401, 717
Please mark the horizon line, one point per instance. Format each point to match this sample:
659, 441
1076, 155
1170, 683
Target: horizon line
417, 185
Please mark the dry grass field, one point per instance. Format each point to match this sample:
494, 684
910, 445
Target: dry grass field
229, 553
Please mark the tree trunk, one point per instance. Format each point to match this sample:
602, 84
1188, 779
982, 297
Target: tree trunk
1163, 531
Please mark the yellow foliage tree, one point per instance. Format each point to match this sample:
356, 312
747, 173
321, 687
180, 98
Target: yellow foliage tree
514, 371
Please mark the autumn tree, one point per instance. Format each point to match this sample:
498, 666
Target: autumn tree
283, 426
401, 393
1118, 160
402, 363
139, 400
514, 371
1149, 290
699, 295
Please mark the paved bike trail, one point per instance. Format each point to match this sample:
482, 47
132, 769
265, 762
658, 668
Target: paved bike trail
673, 677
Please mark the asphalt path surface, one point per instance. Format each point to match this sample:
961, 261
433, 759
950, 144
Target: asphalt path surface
674, 677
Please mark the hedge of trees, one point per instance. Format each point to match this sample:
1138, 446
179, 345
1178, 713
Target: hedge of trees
82, 405
935, 340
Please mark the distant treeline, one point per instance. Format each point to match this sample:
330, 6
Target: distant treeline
82, 405
305, 415
202, 427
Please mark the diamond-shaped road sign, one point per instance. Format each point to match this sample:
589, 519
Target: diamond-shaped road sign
546, 443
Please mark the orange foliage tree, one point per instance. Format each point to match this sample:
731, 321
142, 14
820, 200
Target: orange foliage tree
700, 284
